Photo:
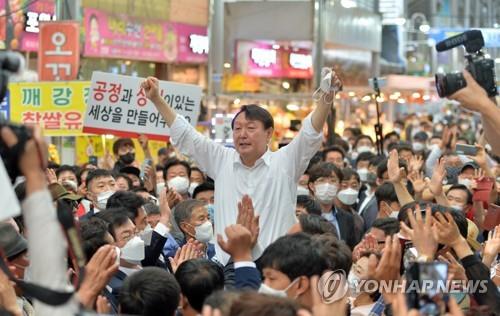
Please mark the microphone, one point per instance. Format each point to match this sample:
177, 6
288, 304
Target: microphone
472, 40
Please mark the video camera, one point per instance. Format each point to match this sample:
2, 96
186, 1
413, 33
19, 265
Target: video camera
480, 67
10, 63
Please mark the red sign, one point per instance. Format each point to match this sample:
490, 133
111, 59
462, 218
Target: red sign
58, 51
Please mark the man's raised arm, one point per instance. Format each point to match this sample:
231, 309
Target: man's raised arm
151, 87
322, 110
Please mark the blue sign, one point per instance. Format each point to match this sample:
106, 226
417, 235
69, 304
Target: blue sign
5, 107
491, 36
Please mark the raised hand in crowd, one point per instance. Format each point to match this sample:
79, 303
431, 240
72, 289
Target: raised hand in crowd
239, 242
491, 246
8, 299
367, 244
51, 176
416, 163
395, 173
173, 198
107, 162
248, 219
387, 269
187, 252
149, 178
102, 305
435, 184
421, 232
400, 307
447, 233
165, 210
417, 179
98, 271
456, 271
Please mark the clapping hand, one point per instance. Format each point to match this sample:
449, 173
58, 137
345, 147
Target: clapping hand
248, 219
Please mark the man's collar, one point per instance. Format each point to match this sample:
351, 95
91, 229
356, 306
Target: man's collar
266, 158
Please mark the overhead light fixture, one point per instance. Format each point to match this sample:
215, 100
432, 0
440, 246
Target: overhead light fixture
426, 97
237, 101
497, 60
415, 95
394, 21
276, 46
351, 93
292, 107
227, 65
366, 98
286, 85
401, 101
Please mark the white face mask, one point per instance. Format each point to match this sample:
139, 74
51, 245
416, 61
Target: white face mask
267, 290
71, 184
364, 149
458, 208
363, 174
160, 187
302, 190
348, 196
192, 186
146, 235
418, 146
204, 232
179, 184
466, 182
353, 281
393, 213
325, 192
133, 251
102, 199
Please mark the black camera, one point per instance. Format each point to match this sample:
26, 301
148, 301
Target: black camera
480, 67
10, 63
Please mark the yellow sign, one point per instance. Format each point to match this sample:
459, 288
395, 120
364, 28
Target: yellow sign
87, 146
57, 107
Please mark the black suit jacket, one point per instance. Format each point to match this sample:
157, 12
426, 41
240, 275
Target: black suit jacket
346, 225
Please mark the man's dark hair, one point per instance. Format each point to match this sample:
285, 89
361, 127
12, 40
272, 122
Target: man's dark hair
150, 292
377, 160
386, 193
360, 137
176, 162
126, 177
390, 134
198, 279
310, 204
97, 173
348, 173
388, 225
80, 173
93, 232
205, 186
324, 169
462, 188
404, 146
253, 304
333, 148
354, 130
64, 168
121, 142
294, 255
335, 251
254, 112
129, 201
152, 209
115, 217
366, 156
341, 143
313, 224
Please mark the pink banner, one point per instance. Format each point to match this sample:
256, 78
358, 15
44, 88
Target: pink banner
265, 59
37, 12
121, 37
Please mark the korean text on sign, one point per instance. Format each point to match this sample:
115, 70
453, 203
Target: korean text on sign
118, 105
57, 107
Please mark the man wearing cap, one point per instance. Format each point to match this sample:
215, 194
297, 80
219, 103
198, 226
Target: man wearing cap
15, 250
269, 178
124, 151
134, 175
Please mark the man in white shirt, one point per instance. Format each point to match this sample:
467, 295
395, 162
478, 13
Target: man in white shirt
269, 178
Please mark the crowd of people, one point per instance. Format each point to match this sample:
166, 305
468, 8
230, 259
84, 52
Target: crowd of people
200, 228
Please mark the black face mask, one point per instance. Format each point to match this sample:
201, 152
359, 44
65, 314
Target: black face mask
127, 158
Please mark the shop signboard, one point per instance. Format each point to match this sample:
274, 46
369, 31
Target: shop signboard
36, 13
265, 59
124, 37
118, 105
57, 107
59, 51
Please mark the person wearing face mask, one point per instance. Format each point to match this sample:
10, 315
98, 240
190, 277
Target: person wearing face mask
131, 249
15, 250
134, 174
364, 143
191, 221
459, 198
196, 178
124, 151
177, 174
466, 175
66, 176
324, 182
387, 201
419, 144
132, 205
100, 185
347, 199
363, 298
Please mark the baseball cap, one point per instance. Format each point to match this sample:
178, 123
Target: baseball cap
58, 192
11, 241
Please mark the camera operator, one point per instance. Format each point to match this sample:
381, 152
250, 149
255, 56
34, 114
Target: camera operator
473, 97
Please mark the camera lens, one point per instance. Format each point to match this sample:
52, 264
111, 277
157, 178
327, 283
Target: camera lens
447, 84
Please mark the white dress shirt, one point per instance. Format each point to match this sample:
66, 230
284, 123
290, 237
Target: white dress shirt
271, 182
